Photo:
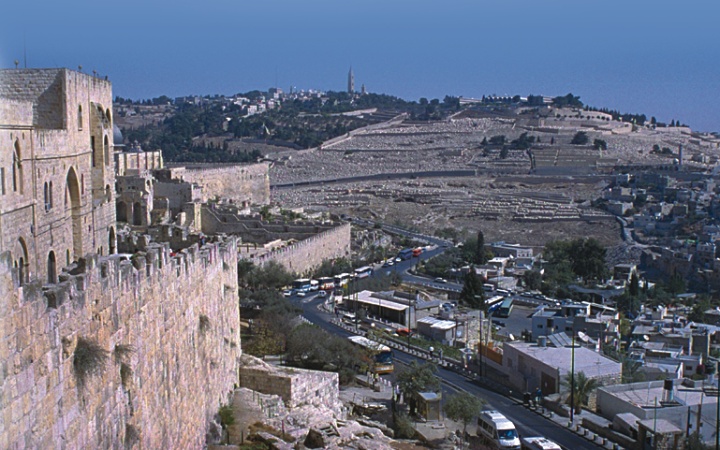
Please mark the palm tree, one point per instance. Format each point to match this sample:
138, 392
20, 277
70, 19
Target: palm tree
582, 389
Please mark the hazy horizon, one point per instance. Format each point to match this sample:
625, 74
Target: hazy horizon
658, 58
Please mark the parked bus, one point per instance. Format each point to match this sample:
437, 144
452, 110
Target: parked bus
417, 252
363, 272
497, 430
326, 283
301, 285
342, 279
314, 285
538, 443
381, 355
405, 254
505, 308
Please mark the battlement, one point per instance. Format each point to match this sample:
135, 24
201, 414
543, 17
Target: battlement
174, 313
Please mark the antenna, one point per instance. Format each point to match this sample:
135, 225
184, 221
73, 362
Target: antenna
25, 49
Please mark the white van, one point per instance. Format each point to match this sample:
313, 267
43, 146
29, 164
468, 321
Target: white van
539, 443
498, 430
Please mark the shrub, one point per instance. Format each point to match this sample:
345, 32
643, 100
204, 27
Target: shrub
403, 426
89, 359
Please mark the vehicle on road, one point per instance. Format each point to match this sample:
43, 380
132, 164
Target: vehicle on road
379, 356
301, 293
327, 283
498, 430
405, 253
538, 443
440, 280
417, 252
287, 293
342, 279
322, 294
363, 272
505, 308
301, 285
388, 263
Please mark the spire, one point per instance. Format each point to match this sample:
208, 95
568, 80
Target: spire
351, 81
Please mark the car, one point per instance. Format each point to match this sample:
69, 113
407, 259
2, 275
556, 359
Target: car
440, 280
287, 293
388, 263
301, 294
322, 294
398, 259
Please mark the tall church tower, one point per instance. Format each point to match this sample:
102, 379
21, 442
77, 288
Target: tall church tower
351, 82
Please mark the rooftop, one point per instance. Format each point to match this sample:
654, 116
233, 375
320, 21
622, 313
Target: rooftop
591, 363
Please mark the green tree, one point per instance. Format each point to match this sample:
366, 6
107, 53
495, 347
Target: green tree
634, 286
417, 378
463, 408
504, 152
580, 138
582, 388
532, 279
480, 255
272, 275
472, 293
599, 144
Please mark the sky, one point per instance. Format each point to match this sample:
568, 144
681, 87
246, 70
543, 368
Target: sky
660, 58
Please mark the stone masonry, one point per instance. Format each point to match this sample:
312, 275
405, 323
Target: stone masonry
56, 175
170, 327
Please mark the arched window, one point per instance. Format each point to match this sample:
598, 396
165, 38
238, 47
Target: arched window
106, 148
51, 268
22, 263
17, 176
108, 193
51, 195
108, 116
80, 118
46, 196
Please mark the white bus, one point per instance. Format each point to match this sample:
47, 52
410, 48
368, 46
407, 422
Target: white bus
314, 285
538, 443
342, 279
498, 430
363, 272
301, 285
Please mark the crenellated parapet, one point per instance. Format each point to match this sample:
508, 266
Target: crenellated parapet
164, 327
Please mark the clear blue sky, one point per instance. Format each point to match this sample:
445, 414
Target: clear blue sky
660, 57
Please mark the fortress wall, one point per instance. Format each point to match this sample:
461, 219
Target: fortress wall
296, 387
240, 183
180, 317
302, 257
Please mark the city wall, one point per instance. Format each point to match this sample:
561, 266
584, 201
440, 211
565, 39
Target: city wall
241, 183
161, 340
296, 387
303, 256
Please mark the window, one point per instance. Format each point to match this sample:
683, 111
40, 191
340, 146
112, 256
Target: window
80, 118
2, 180
17, 178
46, 196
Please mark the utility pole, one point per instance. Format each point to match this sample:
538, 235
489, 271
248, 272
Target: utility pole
572, 378
717, 413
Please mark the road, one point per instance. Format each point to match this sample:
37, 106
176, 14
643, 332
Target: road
527, 421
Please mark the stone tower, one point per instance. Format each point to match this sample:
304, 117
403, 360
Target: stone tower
351, 82
56, 172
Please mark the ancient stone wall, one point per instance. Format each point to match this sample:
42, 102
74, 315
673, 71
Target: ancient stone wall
304, 256
56, 177
297, 387
167, 336
241, 183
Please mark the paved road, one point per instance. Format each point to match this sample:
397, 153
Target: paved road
527, 422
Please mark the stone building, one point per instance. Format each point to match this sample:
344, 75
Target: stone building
56, 177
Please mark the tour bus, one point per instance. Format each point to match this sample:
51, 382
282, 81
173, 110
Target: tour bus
417, 252
342, 279
363, 272
505, 308
381, 357
498, 430
405, 253
301, 285
327, 283
314, 285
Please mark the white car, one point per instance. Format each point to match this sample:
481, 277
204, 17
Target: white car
287, 293
322, 294
440, 280
301, 293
